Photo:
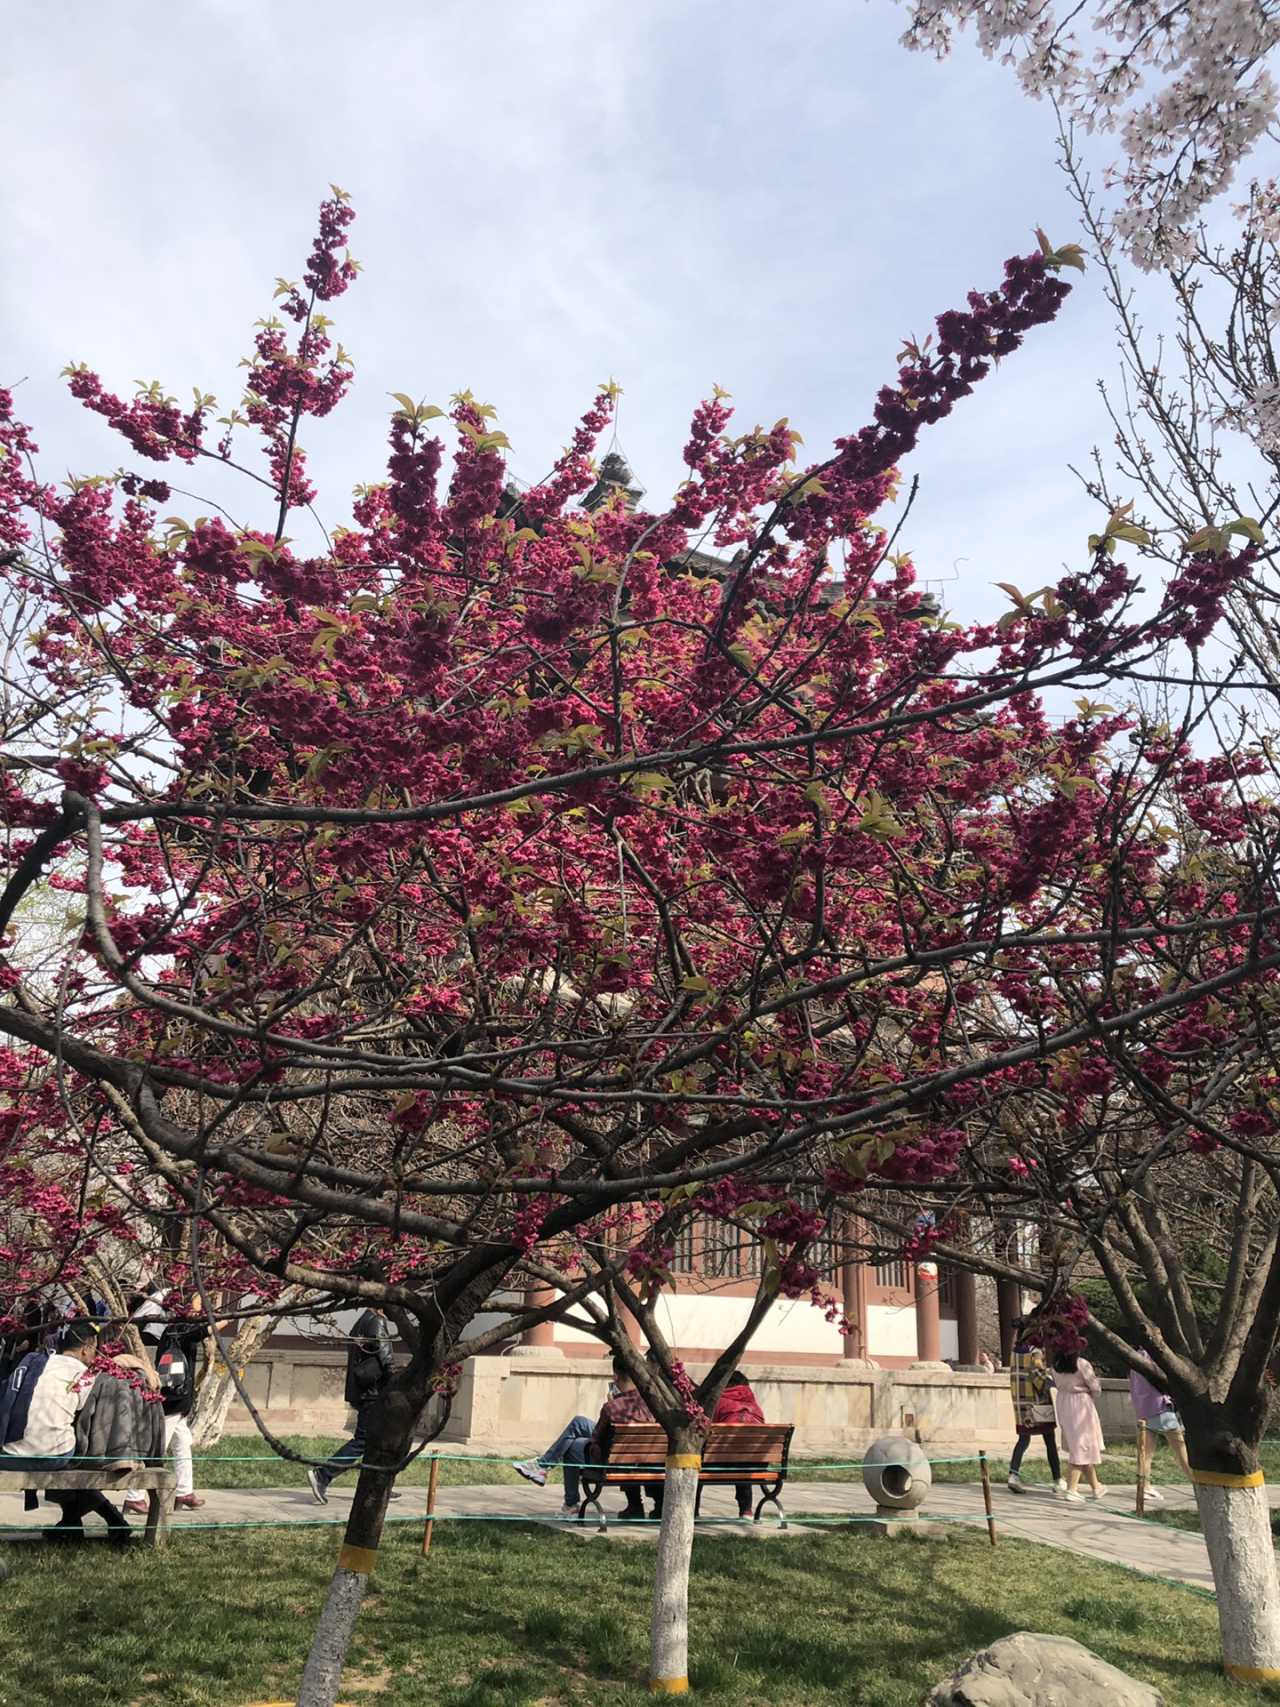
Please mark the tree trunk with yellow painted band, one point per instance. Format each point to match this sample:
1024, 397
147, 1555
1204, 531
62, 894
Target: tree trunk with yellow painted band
389, 1441
1236, 1524
669, 1631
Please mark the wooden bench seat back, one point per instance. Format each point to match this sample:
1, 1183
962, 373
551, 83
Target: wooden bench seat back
732, 1452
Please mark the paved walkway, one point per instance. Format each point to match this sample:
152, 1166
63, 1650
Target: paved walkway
1096, 1530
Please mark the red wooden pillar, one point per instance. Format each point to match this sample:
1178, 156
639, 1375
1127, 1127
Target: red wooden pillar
853, 1276
539, 1339
928, 1314
967, 1316
1009, 1305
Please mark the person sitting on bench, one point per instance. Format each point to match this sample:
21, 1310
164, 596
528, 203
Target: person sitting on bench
43, 1403
584, 1442
736, 1404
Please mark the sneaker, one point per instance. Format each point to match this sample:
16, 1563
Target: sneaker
533, 1472
1072, 1498
184, 1502
1153, 1496
568, 1511
317, 1488
1061, 1485
1016, 1485
140, 1508
1100, 1493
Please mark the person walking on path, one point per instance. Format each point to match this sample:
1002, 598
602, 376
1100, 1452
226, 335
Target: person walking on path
174, 1346
1155, 1408
1077, 1387
1032, 1394
368, 1372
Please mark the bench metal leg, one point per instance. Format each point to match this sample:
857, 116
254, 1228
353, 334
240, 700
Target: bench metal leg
593, 1500
776, 1503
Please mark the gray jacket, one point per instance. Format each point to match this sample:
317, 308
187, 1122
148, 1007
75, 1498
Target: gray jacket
115, 1421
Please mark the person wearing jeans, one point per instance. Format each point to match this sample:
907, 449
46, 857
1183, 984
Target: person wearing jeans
584, 1442
575, 1434
368, 1372
1155, 1408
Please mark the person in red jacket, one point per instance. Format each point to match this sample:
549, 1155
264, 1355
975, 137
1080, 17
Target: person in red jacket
737, 1404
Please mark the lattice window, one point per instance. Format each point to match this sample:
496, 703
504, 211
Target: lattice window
683, 1260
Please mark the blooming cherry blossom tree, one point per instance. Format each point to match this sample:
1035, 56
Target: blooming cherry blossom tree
473, 895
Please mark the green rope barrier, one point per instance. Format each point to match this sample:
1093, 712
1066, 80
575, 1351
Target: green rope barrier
796, 1464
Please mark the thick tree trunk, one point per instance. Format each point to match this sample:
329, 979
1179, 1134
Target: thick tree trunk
1235, 1520
215, 1390
389, 1439
1236, 1523
669, 1632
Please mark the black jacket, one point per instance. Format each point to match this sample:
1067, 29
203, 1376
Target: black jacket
368, 1359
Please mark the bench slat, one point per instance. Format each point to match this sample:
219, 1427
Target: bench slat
731, 1452
19, 1480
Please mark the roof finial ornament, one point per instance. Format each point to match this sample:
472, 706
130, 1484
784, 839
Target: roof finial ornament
615, 476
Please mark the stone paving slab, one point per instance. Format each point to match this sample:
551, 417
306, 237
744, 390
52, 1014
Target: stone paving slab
1096, 1530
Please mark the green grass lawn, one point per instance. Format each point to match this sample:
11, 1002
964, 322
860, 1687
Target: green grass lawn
514, 1616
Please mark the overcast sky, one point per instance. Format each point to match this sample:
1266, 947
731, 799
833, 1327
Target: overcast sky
550, 194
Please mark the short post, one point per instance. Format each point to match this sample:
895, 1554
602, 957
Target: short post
986, 1496
432, 1480
1140, 1505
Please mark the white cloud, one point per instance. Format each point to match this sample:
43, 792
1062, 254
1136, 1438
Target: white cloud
549, 195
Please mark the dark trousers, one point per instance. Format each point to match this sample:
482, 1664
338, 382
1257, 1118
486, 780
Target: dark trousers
76, 1504
743, 1493
1050, 1438
350, 1452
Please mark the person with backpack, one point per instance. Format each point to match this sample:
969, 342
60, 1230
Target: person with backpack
174, 1347
1031, 1389
368, 1372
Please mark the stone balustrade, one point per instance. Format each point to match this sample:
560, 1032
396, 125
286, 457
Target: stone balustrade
515, 1405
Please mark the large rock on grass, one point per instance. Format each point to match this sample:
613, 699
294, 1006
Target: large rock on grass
1027, 1670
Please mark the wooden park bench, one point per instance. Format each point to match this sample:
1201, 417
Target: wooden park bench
732, 1452
161, 1486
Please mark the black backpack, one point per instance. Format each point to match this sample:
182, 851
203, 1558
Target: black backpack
173, 1367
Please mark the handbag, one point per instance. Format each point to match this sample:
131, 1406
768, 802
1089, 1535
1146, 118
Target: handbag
1043, 1414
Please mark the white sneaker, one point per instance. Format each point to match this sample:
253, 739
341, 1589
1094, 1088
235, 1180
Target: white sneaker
1016, 1485
1100, 1493
1153, 1496
1072, 1498
1061, 1484
532, 1471
568, 1511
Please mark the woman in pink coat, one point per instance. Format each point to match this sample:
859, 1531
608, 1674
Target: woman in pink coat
1075, 1388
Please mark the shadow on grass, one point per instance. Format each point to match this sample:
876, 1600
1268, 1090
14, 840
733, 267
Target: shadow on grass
512, 1615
